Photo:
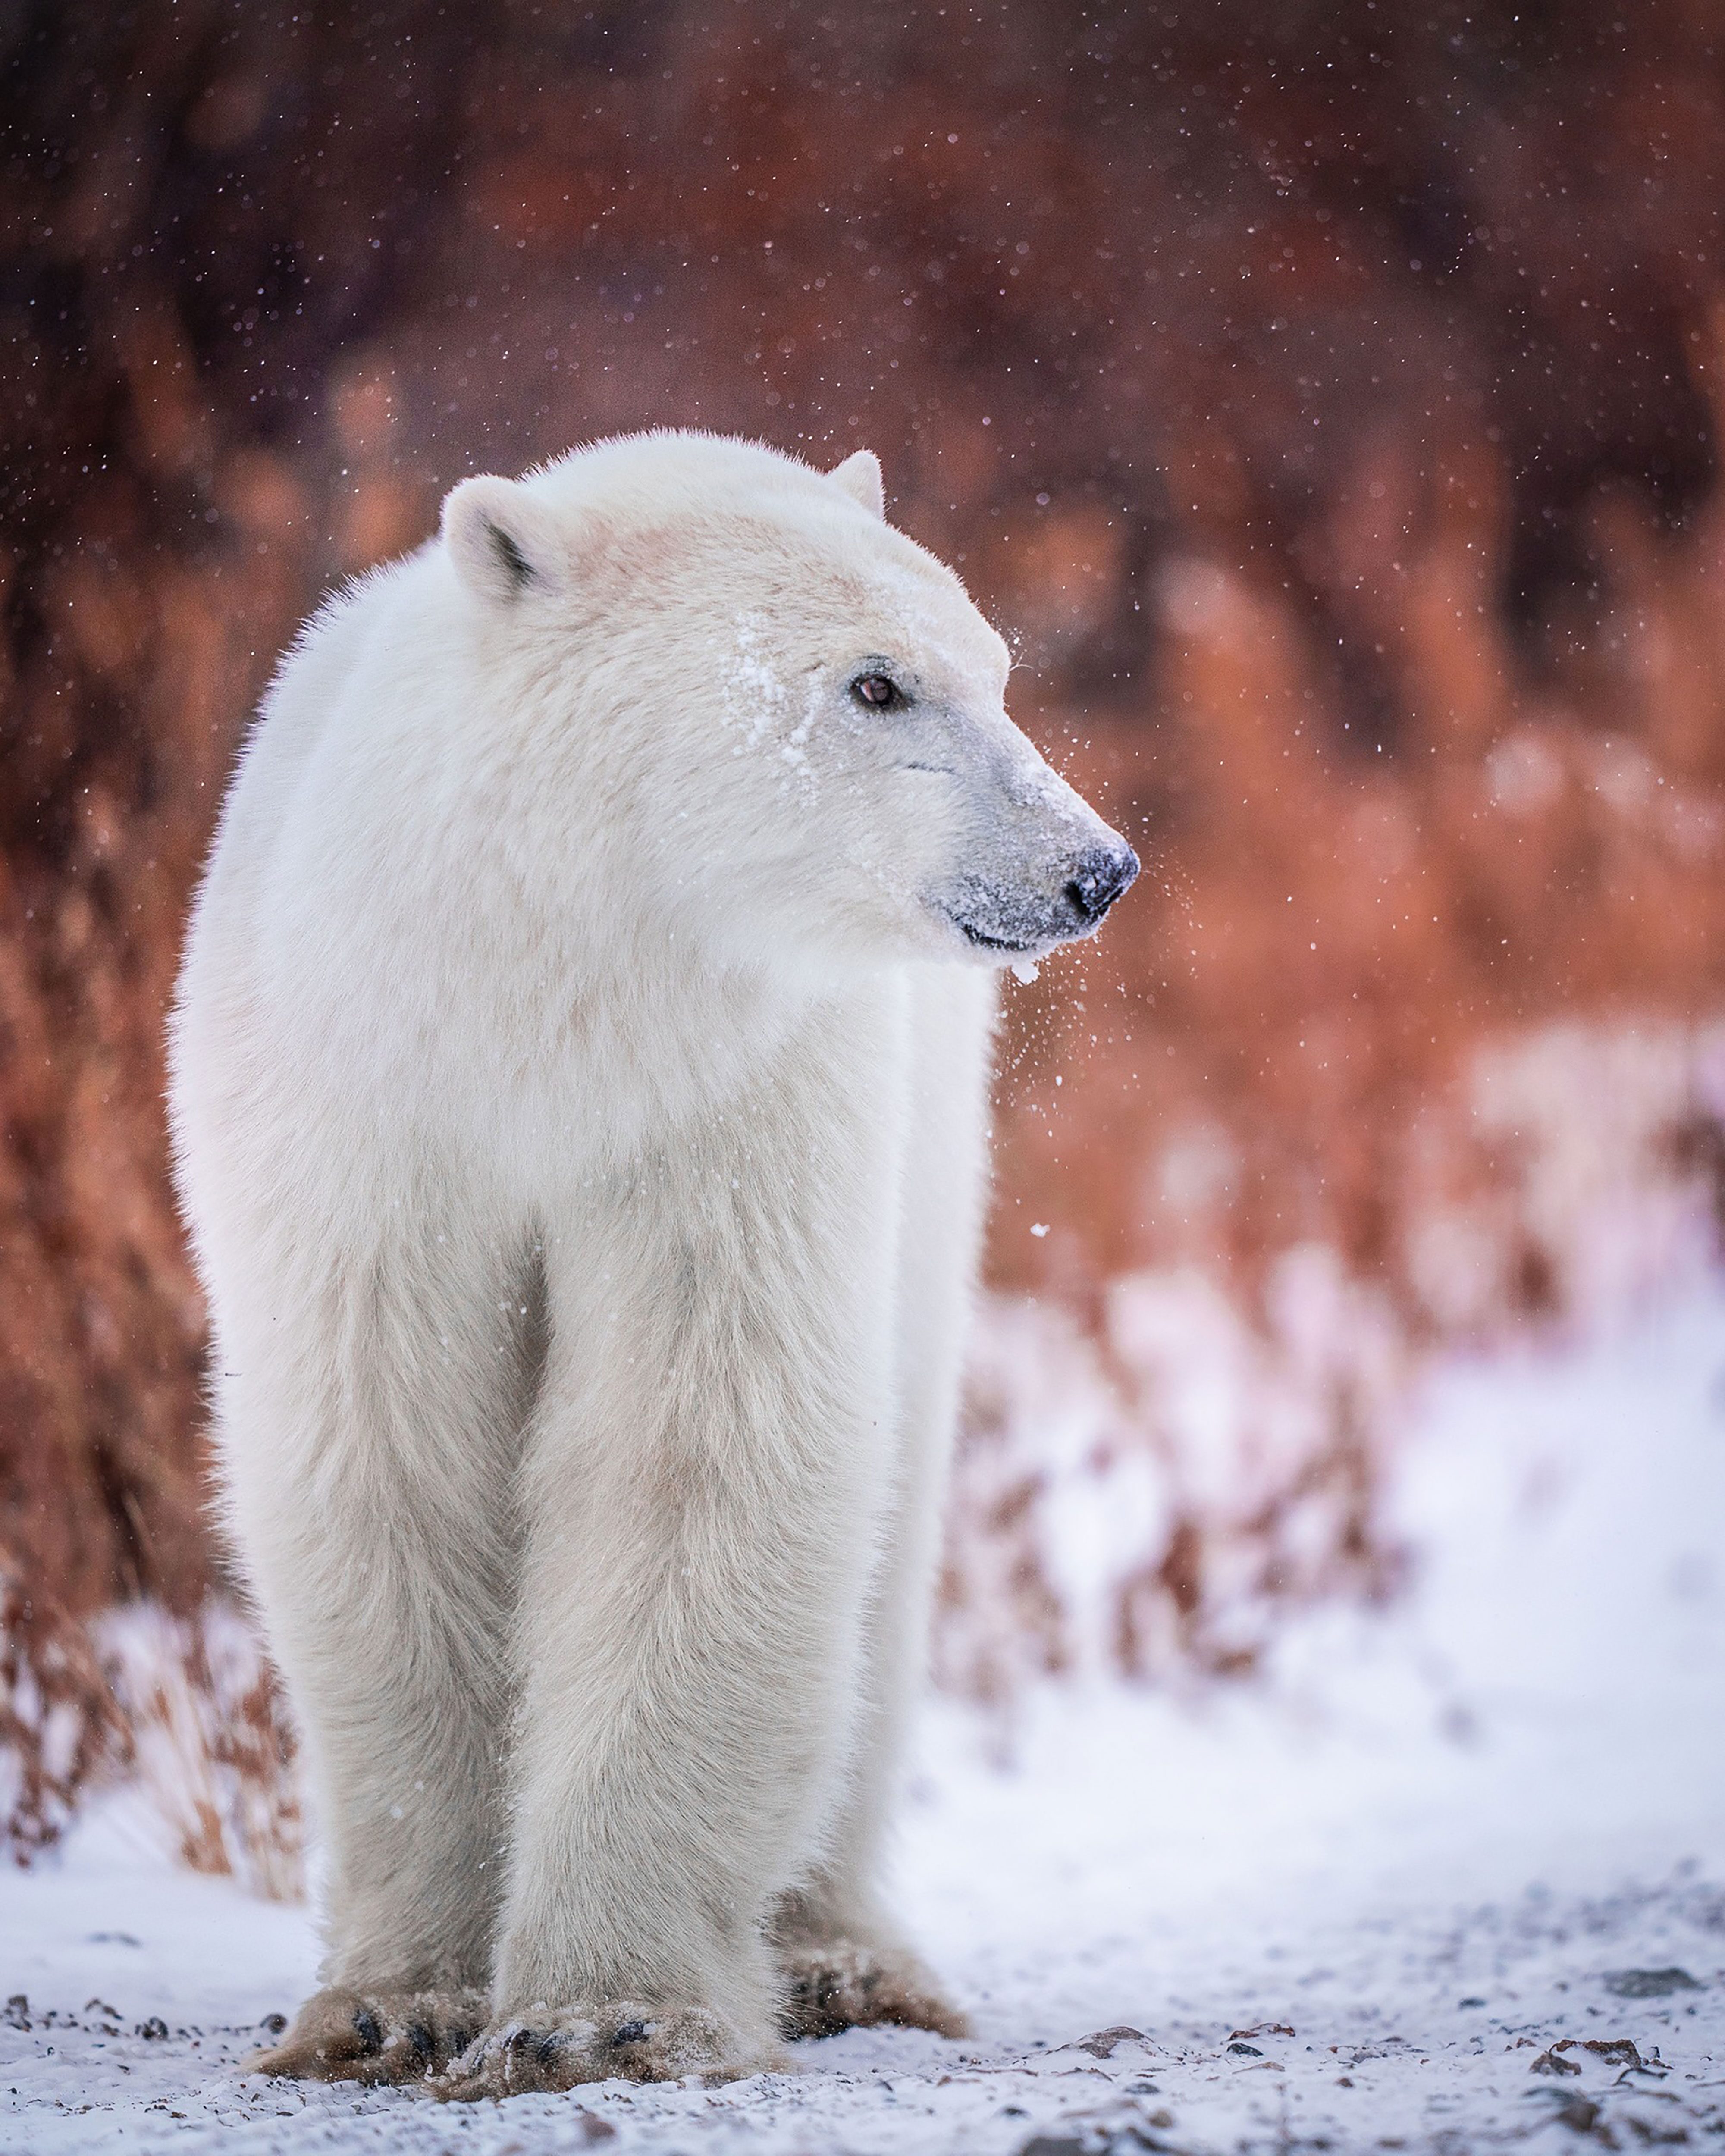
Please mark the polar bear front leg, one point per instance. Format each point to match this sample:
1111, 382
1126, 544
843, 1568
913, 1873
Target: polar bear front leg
705, 1468
843, 1959
371, 1402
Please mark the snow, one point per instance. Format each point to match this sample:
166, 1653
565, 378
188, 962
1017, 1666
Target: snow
1387, 1897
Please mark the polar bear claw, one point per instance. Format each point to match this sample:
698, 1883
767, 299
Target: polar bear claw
378, 2038
622, 2039
835, 1985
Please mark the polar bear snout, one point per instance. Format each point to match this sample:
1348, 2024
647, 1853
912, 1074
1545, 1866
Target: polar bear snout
1010, 916
1100, 875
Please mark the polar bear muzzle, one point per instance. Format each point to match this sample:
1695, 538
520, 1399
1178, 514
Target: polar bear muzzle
1017, 920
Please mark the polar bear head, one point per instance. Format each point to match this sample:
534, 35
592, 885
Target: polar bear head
775, 716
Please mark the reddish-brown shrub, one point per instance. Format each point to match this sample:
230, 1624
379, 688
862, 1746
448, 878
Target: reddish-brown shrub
1329, 403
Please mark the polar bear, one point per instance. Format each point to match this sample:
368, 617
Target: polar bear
579, 1080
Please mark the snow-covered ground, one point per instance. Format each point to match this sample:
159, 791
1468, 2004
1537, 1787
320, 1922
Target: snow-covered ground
1448, 1880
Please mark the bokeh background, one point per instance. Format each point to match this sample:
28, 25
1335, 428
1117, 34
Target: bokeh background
1326, 400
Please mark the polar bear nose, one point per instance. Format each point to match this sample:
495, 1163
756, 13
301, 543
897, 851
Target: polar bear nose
1099, 877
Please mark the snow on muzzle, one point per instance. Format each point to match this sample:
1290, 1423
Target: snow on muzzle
1068, 900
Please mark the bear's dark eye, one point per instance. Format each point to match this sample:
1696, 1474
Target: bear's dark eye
879, 691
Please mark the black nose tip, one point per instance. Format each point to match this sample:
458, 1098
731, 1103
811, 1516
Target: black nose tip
1100, 877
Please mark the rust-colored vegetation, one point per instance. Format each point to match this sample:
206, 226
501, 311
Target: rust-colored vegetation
1328, 400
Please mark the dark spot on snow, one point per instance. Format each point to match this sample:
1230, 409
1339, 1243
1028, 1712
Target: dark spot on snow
272, 2024
1554, 2062
1245, 2051
155, 2030
1649, 1983
1470, 2002
18, 2011
369, 2030
631, 2032
112, 1939
1614, 2050
1101, 2044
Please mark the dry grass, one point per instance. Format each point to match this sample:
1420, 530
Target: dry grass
184, 1711
211, 1754
1146, 1489
60, 1728
1331, 409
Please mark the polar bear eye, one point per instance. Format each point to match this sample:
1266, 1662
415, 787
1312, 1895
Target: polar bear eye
879, 691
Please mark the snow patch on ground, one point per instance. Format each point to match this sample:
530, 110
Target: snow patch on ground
1447, 1877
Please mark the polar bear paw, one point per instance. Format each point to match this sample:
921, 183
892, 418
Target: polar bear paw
375, 2036
550, 2050
833, 1984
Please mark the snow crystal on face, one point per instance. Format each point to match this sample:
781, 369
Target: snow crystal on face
753, 691
753, 696
795, 751
756, 702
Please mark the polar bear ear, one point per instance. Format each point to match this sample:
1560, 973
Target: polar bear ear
859, 476
503, 543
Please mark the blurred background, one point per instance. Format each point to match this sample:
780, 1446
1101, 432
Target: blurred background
1325, 400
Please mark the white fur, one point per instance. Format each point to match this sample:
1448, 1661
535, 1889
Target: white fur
579, 1092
